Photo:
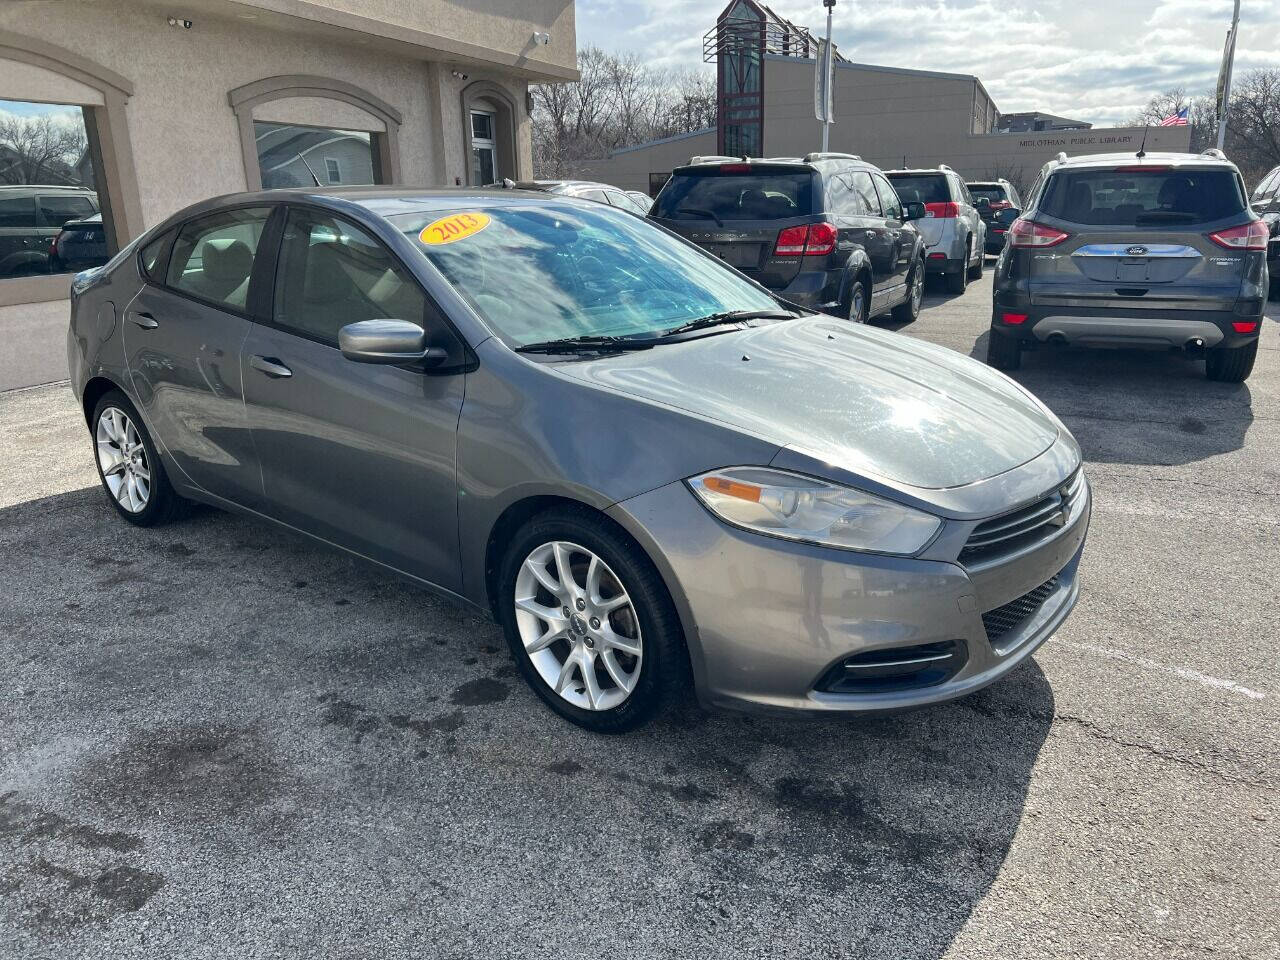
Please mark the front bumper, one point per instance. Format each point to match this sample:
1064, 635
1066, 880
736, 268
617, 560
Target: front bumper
767, 619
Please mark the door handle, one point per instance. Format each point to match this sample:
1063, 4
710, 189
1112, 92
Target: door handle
271, 366
145, 320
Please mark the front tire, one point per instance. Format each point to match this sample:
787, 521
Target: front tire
589, 621
129, 467
1231, 364
1003, 353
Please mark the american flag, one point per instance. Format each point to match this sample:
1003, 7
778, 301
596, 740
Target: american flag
1178, 119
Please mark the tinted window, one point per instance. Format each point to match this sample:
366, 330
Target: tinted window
58, 210
1268, 184
153, 254
596, 195
213, 256
889, 201
1127, 197
921, 187
18, 212
765, 196
864, 193
545, 271
332, 273
994, 194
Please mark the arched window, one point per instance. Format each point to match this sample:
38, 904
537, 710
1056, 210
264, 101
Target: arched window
68, 193
301, 130
489, 123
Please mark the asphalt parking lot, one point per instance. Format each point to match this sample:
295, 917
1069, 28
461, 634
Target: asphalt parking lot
217, 740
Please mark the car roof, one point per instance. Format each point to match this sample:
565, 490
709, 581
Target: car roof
1104, 160
938, 170
987, 183
45, 188
384, 201
553, 184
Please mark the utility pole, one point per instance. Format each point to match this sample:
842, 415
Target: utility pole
1228, 62
829, 67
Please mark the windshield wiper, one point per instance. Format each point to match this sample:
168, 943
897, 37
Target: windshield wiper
728, 316
700, 212
585, 344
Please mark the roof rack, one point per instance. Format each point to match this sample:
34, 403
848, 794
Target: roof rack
1061, 157
821, 155
693, 160
1213, 152
943, 166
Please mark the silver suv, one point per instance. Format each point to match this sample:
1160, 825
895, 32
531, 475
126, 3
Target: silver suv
953, 231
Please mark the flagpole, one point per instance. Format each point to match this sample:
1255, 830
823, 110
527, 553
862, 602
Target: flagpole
829, 65
1226, 84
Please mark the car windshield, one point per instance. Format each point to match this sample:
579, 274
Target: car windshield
712, 194
1127, 197
921, 187
542, 271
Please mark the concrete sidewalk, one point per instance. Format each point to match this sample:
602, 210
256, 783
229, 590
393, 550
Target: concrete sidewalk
34, 343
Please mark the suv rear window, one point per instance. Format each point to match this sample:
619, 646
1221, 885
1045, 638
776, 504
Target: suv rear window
994, 194
692, 195
1126, 197
921, 187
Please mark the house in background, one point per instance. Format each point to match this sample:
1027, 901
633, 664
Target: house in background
179, 104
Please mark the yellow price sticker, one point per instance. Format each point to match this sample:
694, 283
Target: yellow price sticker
456, 226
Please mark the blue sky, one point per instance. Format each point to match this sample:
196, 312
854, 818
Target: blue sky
1096, 60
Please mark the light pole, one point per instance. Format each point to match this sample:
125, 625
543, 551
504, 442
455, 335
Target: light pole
829, 66
1226, 77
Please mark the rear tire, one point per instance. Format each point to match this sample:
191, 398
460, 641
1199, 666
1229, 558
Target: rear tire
1003, 353
975, 272
650, 622
1231, 364
958, 280
908, 311
129, 466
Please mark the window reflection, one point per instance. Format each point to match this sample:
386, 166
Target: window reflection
297, 156
50, 217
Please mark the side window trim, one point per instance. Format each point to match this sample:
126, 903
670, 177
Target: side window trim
196, 298
162, 264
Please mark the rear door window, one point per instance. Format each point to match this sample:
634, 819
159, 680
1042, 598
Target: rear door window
1128, 197
890, 202
921, 187
58, 210
864, 193
699, 195
213, 257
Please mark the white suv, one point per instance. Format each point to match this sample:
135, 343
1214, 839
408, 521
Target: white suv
954, 234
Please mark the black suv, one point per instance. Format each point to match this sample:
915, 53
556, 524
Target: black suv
1266, 203
1155, 250
827, 231
991, 197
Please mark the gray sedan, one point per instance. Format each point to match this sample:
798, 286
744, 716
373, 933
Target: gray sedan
652, 472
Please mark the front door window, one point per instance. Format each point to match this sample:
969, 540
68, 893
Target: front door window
484, 150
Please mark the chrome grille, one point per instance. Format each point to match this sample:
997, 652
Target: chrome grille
1027, 526
1003, 619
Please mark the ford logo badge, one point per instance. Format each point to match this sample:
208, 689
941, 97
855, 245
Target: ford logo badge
1137, 251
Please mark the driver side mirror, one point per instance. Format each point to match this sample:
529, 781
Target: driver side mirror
388, 341
914, 210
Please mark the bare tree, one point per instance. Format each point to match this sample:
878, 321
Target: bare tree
39, 148
1007, 170
1253, 123
1201, 118
619, 101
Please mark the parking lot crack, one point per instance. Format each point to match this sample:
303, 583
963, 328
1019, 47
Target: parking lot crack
1093, 730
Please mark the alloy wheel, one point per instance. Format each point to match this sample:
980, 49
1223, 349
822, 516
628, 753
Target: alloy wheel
122, 457
917, 290
578, 625
858, 304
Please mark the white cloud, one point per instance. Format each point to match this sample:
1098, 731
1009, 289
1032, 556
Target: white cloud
1096, 60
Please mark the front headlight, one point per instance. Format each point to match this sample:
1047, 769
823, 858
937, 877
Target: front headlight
801, 508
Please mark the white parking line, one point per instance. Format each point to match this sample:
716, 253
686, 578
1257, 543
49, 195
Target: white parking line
1185, 674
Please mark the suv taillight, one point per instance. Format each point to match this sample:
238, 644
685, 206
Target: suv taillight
813, 240
1251, 236
947, 209
1028, 233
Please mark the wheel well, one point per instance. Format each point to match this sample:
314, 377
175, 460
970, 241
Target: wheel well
93, 391
505, 527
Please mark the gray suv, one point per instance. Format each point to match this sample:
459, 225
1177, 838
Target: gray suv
826, 231
1266, 204
1156, 250
953, 230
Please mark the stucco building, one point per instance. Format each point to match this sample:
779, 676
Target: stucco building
894, 116
151, 106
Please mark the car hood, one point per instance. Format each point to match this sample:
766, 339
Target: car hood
866, 400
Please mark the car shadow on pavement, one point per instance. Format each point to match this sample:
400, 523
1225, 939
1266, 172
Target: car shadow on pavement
1136, 406
217, 698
